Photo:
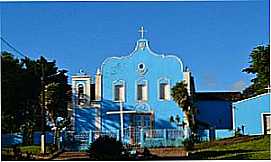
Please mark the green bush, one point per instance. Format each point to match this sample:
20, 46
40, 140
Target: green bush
107, 148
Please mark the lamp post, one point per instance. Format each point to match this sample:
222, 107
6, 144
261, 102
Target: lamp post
43, 140
43, 134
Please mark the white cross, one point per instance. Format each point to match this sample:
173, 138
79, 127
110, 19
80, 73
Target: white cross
141, 30
268, 88
121, 112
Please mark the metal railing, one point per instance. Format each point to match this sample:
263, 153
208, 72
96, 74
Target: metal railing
162, 138
133, 136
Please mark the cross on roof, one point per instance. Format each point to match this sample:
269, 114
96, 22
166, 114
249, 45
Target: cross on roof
141, 30
268, 88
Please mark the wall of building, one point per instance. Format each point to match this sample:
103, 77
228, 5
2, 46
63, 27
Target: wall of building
217, 113
249, 112
126, 69
10, 139
85, 119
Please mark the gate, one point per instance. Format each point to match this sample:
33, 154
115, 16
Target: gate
162, 138
132, 136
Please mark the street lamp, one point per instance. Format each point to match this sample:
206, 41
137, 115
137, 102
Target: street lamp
43, 134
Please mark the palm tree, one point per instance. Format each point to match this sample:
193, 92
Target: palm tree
180, 95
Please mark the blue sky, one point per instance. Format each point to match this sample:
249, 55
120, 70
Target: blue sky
213, 39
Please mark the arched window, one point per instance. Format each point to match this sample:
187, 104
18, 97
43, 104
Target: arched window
164, 89
142, 90
119, 91
80, 94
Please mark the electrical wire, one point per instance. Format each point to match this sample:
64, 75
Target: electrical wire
12, 47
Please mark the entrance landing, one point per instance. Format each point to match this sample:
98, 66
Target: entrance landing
72, 156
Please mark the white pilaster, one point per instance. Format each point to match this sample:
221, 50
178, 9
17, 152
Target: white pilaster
98, 85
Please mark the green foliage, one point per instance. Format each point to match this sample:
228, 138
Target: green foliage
260, 66
21, 90
180, 95
107, 148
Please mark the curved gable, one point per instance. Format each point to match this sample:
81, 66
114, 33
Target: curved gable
143, 53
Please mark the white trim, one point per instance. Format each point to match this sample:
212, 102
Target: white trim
251, 98
158, 89
118, 112
149, 50
262, 120
113, 90
147, 95
98, 118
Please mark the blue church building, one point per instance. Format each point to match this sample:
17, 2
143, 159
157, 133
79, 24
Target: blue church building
130, 93
129, 98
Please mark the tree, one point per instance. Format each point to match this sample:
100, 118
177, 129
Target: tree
11, 71
259, 66
180, 95
21, 89
56, 100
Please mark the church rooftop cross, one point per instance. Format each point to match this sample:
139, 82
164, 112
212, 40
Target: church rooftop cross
142, 31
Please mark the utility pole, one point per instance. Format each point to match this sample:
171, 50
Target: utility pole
43, 136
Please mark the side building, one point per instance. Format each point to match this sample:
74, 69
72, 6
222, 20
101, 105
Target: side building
252, 116
214, 114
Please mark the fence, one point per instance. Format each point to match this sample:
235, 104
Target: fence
80, 141
161, 138
11, 139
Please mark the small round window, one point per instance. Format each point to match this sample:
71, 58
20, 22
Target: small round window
141, 66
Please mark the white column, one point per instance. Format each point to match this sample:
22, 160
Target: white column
121, 121
98, 85
42, 143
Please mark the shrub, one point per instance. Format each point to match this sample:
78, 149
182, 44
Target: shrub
107, 148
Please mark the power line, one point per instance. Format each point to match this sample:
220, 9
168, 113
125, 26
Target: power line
12, 47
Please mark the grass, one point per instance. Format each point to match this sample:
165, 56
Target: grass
34, 149
26, 152
254, 147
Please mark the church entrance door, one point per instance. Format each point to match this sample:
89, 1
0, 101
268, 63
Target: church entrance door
139, 121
